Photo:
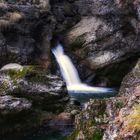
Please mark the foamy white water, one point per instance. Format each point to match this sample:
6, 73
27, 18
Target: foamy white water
67, 68
71, 75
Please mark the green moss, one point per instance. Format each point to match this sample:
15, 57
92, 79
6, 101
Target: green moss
14, 76
77, 43
18, 74
98, 134
131, 123
119, 104
90, 123
3, 87
38, 75
37, 78
73, 135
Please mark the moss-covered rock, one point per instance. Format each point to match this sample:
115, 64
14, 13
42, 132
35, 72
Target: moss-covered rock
23, 86
10, 75
88, 123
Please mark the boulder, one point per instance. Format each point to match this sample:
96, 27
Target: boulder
99, 42
32, 83
29, 96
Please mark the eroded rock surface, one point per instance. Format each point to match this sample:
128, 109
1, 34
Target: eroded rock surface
114, 118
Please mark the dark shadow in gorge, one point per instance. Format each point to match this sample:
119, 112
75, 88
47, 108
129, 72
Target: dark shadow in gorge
113, 75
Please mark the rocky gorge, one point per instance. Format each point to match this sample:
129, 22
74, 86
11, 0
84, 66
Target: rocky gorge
102, 39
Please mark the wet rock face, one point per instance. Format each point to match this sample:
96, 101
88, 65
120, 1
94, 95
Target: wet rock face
106, 35
91, 29
100, 42
26, 30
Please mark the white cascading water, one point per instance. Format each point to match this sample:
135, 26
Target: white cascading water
71, 76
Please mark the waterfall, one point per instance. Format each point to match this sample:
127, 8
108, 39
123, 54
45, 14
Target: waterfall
71, 76
67, 68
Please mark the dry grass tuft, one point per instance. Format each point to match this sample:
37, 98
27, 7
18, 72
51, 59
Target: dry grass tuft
131, 123
133, 120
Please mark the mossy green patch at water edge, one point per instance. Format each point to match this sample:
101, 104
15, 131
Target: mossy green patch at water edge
34, 84
97, 135
37, 86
